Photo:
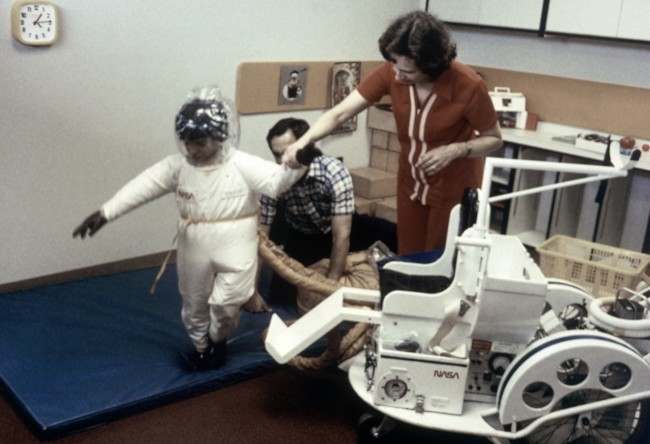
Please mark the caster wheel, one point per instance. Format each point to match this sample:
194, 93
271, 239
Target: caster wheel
368, 428
374, 429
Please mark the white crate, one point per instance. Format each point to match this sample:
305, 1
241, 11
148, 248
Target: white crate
505, 100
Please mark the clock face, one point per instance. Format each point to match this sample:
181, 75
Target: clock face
35, 23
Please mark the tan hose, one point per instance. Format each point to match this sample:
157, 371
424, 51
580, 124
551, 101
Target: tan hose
293, 271
309, 279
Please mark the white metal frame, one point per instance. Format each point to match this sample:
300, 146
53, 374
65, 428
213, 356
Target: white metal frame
476, 278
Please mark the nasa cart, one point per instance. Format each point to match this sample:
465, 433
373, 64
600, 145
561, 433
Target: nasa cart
481, 342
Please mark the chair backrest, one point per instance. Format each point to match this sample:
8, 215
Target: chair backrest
392, 280
468, 209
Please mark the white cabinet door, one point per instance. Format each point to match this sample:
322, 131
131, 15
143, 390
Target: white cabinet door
520, 14
635, 20
457, 11
587, 17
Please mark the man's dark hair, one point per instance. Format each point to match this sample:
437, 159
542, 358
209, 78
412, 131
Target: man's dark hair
422, 37
297, 126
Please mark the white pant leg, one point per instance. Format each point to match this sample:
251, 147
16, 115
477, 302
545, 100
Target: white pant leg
195, 283
236, 262
216, 266
231, 291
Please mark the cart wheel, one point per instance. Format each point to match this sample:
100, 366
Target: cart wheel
623, 424
372, 428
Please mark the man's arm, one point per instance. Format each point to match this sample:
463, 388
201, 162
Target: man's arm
268, 210
341, 227
264, 229
267, 214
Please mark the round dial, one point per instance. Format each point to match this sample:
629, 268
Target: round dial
35, 22
395, 388
499, 362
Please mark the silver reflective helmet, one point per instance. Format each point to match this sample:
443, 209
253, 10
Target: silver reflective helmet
207, 114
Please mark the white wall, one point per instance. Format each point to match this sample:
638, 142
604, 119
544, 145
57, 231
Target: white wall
80, 118
596, 60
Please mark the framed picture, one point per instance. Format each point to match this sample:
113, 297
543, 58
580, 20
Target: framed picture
293, 85
344, 79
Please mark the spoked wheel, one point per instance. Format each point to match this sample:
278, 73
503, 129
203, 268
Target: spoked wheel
571, 369
622, 424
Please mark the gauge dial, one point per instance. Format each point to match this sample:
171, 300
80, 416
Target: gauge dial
395, 389
499, 362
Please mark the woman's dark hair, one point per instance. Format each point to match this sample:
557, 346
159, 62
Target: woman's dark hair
422, 37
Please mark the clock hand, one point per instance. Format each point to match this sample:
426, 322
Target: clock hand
37, 19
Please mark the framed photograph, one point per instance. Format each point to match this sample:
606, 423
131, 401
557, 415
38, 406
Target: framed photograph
293, 84
344, 78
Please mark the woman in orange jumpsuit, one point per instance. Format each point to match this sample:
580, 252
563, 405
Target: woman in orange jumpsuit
445, 120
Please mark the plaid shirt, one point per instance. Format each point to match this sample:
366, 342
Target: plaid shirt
325, 191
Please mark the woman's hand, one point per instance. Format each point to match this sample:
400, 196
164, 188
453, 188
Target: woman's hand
436, 159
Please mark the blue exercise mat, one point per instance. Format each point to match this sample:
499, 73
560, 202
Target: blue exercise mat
82, 353
78, 354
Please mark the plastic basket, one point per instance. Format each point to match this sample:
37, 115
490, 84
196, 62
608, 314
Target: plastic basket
599, 268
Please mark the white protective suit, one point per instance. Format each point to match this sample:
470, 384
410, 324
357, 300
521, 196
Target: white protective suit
217, 234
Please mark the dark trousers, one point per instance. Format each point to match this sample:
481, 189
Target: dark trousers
310, 248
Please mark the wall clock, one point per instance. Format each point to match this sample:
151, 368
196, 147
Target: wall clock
35, 22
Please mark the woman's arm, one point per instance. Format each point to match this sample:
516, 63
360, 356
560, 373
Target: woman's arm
435, 160
349, 107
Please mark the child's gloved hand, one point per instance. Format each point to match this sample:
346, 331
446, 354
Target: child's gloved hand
305, 155
90, 225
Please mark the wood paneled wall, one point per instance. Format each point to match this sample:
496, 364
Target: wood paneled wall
599, 106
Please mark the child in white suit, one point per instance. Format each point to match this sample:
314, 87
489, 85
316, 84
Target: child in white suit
217, 191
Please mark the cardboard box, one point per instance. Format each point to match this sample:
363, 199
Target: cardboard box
378, 158
379, 139
387, 209
392, 163
393, 143
364, 206
381, 119
372, 183
530, 121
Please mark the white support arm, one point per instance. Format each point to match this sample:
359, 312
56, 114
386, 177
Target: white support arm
284, 343
621, 164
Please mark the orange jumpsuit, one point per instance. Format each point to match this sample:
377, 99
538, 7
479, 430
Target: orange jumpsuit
458, 106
